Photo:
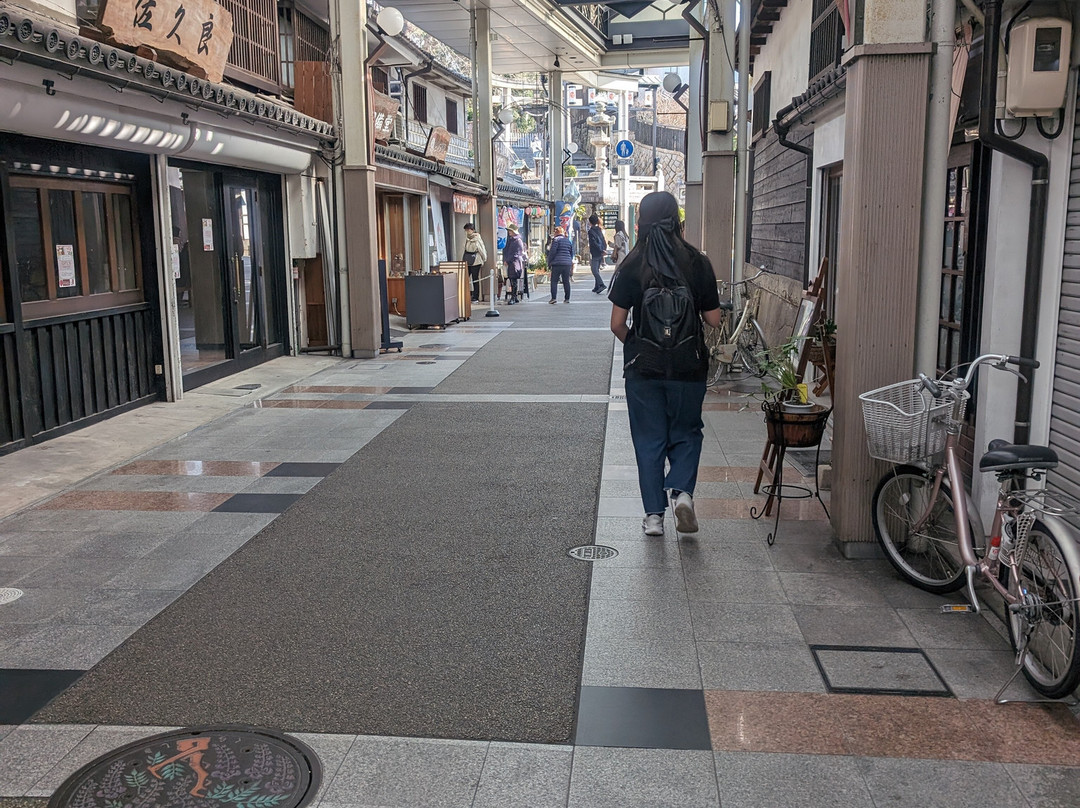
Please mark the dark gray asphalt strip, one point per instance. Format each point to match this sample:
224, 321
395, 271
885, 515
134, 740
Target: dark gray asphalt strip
423, 589
537, 363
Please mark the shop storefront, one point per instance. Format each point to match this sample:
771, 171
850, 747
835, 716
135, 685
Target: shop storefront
80, 326
228, 267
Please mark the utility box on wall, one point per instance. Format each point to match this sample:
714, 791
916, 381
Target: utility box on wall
1038, 72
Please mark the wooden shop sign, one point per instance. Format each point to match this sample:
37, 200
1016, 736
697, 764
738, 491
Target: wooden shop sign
438, 143
465, 204
384, 110
195, 35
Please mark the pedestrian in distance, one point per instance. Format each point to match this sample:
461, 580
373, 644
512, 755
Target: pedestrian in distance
560, 259
621, 242
661, 294
513, 256
474, 256
597, 249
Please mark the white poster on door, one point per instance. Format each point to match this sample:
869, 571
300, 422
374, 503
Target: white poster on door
438, 226
207, 234
176, 261
65, 265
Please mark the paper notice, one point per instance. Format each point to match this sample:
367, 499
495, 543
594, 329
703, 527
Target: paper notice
65, 265
207, 234
176, 262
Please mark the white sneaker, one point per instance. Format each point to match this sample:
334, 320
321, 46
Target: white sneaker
653, 524
685, 518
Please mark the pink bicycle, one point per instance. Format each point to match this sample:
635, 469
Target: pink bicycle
934, 538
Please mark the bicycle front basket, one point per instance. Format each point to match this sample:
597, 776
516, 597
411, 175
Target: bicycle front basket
904, 422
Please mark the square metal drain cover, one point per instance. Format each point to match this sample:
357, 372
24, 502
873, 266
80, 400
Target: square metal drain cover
878, 671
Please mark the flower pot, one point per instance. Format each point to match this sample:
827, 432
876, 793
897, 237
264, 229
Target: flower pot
795, 429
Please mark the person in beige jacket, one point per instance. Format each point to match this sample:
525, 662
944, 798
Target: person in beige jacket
474, 257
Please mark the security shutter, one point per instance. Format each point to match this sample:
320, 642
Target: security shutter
1065, 408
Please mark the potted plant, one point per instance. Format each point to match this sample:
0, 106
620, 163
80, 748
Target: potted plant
790, 418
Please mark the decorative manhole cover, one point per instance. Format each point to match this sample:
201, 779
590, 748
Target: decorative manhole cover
592, 552
7, 595
224, 767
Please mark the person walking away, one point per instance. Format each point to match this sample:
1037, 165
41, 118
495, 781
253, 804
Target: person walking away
622, 244
560, 259
513, 256
664, 285
474, 256
597, 248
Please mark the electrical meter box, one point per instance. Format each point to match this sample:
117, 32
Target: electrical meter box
1038, 72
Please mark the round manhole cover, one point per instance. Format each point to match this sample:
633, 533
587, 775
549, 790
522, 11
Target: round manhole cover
8, 594
593, 552
242, 767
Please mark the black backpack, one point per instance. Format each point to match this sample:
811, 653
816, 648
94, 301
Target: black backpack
670, 341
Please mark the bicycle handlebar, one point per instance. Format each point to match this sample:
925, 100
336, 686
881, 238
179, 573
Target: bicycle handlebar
958, 385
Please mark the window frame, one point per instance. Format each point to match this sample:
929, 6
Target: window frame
419, 102
452, 116
55, 306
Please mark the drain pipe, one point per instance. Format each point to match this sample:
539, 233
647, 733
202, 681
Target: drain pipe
782, 127
742, 147
1029, 317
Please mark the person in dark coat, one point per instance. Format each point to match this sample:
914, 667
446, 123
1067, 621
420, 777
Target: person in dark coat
513, 256
597, 249
560, 259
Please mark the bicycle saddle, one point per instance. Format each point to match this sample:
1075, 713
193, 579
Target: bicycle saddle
727, 305
1005, 456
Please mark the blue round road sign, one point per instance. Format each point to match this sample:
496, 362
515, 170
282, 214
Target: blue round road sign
624, 148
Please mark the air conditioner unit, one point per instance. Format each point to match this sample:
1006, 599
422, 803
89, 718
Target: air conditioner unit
1038, 73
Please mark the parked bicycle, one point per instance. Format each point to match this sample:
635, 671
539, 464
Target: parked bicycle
744, 344
934, 538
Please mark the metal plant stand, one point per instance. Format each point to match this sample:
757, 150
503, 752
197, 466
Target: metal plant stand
794, 429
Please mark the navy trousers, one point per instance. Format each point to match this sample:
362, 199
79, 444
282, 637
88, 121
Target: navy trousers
594, 264
666, 426
561, 272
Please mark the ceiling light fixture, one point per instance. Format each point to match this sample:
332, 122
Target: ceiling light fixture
557, 65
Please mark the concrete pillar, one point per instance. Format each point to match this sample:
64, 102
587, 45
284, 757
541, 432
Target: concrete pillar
485, 220
878, 263
718, 159
358, 183
692, 206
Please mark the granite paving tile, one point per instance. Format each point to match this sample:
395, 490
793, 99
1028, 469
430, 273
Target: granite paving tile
642, 778
65, 647
1026, 733
161, 574
957, 784
408, 773
331, 750
14, 568
135, 501
934, 629
726, 555
639, 620
744, 622
637, 583
734, 586
40, 543
165, 483
29, 752
826, 589
806, 781
1047, 786
758, 667
979, 674
216, 468
80, 573
117, 607
797, 723
853, 625
525, 774
623, 662
653, 554
118, 545
38, 605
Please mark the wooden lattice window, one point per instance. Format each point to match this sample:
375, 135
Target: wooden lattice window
380, 80
419, 102
826, 38
953, 265
254, 58
302, 39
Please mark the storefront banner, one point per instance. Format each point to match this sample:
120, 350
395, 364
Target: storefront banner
507, 215
65, 265
564, 217
197, 34
465, 204
384, 110
438, 225
438, 144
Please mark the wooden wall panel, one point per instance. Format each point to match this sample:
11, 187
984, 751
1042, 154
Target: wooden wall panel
878, 269
778, 217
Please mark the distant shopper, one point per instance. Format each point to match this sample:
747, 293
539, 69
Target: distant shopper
513, 256
560, 259
474, 257
622, 243
666, 287
597, 249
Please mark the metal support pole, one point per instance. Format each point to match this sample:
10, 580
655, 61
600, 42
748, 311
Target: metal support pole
492, 311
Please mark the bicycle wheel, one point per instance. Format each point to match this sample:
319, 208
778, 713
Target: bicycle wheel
751, 348
714, 338
928, 557
1047, 613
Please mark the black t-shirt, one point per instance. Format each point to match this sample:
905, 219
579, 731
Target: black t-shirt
627, 292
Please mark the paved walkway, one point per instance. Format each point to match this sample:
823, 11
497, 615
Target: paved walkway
716, 670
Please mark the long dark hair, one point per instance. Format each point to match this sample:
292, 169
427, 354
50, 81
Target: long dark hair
666, 254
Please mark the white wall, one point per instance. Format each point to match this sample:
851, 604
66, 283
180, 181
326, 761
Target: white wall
436, 105
886, 21
786, 54
828, 151
1004, 288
